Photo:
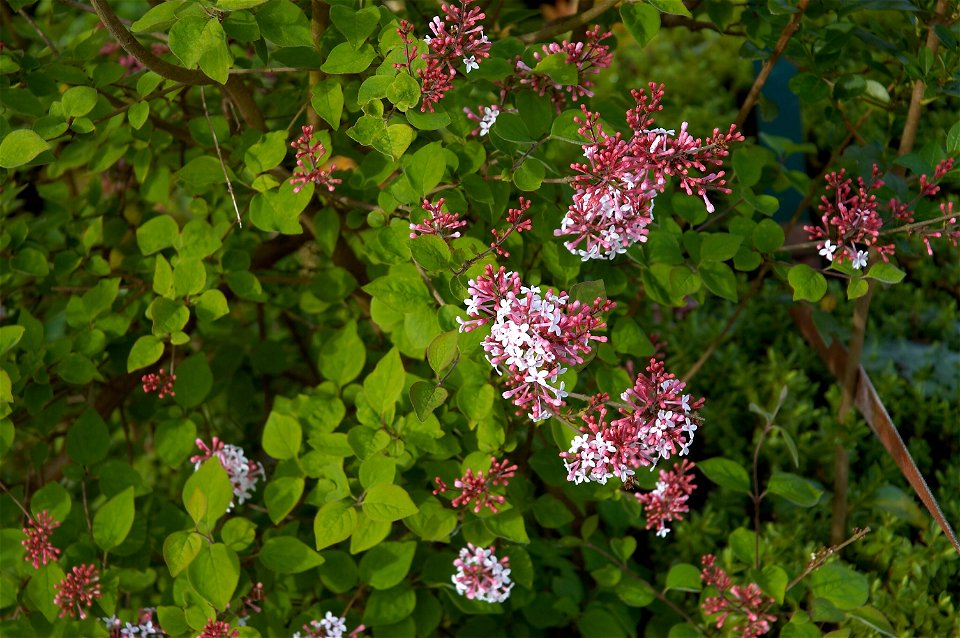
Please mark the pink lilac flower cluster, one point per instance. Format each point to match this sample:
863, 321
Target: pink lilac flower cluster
160, 382
441, 224
587, 57
37, 543
668, 502
311, 170
657, 422
616, 186
481, 576
485, 117
243, 472
329, 626
851, 219
475, 488
78, 589
145, 626
457, 39
218, 629
533, 336
748, 602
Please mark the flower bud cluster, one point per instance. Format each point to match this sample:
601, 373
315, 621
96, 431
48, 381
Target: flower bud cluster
160, 382
243, 473
615, 187
77, 591
457, 39
218, 629
748, 603
441, 224
668, 502
475, 488
37, 541
329, 626
587, 57
481, 576
311, 170
145, 626
533, 336
657, 422
851, 219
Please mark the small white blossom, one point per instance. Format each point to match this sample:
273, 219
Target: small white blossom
828, 249
471, 63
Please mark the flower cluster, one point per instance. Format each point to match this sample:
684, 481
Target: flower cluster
439, 223
161, 381
37, 543
311, 170
145, 626
668, 502
588, 58
480, 575
486, 118
748, 602
218, 629
615, 187
78, 589
476, 488
851, 219
533, 336
329, 626
457, 39
657, 422
243, 473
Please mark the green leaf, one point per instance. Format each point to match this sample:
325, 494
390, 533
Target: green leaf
287, 555
641, 20
684, 577
215, 59
267, 153
375, 470
20, 147
443, 351
9, 337
369, 533
767, 236
551, 513
719, 246
207, 494
873, 619
400, 292
529, 176
214, 573
384, 385
726, 473
158, 18
137, 114
886, 273
179, 550
719, 279
508, 525
281, 496
676, 7
476, 401
184, 39
146, 351
342, 355
389, 606
807, 283
634, 592
387, 564
88, 439
335, 522
773, 580
795, 489
557, 68
238, 5
281, 436
158, 233
424, 169
175, 441
53, 499
388, 503
512, 128
211, 305
31, 261
426, 397
283, 23
112, 522
194, 381
953, 138
345, 59
404, 92
393, 141
76, 369
238, 533
431, 252
41, 590
78, 101
327, 101
356, 26
841, 585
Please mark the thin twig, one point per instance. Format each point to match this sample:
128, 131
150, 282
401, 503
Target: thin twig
821, 557
26, 16
223, 167
569, 24
17, 501
785, 36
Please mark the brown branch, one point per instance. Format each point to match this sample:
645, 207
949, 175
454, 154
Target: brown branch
916, 98
569, 24
785, 36
50, 45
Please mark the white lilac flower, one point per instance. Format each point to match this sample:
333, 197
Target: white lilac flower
860, 260
471, 63
827, 250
